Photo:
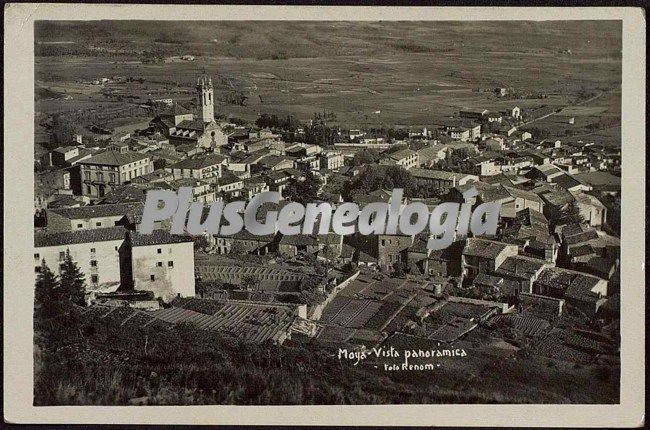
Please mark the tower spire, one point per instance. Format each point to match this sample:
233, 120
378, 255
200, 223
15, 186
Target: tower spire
205, 94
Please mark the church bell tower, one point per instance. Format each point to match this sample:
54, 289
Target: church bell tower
205, 93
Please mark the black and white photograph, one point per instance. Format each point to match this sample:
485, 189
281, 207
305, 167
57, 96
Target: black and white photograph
328, 212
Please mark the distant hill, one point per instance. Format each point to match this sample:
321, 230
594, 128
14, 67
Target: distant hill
290, 39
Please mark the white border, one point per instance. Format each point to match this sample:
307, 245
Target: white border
18, 207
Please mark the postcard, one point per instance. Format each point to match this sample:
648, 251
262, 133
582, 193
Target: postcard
324, 215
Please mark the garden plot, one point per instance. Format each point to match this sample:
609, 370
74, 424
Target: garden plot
526, 325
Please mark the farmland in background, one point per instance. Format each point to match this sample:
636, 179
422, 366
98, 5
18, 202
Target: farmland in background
367, 73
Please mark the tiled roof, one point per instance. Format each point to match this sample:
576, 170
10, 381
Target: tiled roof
199, 162
244, 234
600, 179
129, 193
64, 149
574, 228
157, 237
530, 217
98, 211
63, 201
43, 239
581, 237
565, 181
272, 160
229, 178
83, 153
520, 266
402, 153
557, 198
176, 109
485, 279
120, 143
483, 248
563, 279
156, 174
437, 174
518, 193
588, 199
582, 250
113, 158
195, 124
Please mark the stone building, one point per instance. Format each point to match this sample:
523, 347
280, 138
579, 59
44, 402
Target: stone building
100, 174
162, 263
484, 256
181, 127
115, 258
99, 253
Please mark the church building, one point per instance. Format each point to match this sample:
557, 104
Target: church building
182, 128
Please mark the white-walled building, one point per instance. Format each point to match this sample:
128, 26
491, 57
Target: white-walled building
114, 257
96, 252
163, 263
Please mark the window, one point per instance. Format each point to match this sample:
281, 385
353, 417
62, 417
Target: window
170, 264
100, 176
61, 256
37, 269
116, 248
159, 250
94, 279
111, 177
80, 225
93, 263
98, 224
36, 256
152, 277
92, 250
159, 264
87, 176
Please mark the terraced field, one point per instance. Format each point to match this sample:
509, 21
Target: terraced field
350, 312
251, 322
526, 325
554, 345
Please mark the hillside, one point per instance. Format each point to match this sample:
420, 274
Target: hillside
367, 73
273, 39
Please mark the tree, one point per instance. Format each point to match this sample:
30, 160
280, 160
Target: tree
63, 129
539, 133
366, 156
45, 294
572, 214
267, 121
399, 269
395, 148
237, 248
249, 282
381, 178
303, 191
72, 281
200, 243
